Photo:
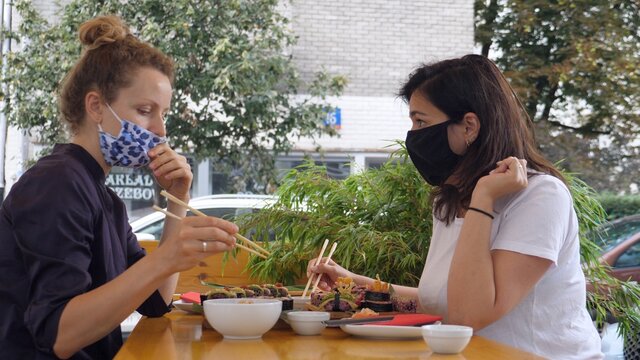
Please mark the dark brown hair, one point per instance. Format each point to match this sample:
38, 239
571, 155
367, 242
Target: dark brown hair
110, 58
474, 84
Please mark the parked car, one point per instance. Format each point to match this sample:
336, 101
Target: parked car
620, 243
226, 206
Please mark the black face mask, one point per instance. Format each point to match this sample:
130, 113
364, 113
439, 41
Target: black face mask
430, 153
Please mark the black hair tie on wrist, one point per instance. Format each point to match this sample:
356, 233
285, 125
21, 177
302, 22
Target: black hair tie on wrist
482, 212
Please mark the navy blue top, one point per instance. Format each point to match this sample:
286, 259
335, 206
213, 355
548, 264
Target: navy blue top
62, 233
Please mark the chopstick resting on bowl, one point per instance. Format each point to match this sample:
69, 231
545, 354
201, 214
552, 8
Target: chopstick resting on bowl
259, 251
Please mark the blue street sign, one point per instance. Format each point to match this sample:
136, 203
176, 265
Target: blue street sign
334, 118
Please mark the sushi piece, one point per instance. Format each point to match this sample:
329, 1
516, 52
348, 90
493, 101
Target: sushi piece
257, 290
379, 291
316, 297
220, 294
240, 293
282, 291
287, 304
378, 306
377, 297
248, 292
358, 292
273, 291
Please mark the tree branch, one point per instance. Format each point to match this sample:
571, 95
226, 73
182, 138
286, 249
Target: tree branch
549, 99
489, 16
585, 130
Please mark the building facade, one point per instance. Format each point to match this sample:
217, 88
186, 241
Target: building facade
375, 44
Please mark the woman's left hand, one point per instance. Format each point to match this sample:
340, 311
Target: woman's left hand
171, 170
510, 175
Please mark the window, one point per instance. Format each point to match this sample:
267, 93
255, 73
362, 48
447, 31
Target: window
337, 167
609, 236
630, 258
376, 162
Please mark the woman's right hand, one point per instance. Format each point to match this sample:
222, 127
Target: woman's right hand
330, 272
187, 249
509, 176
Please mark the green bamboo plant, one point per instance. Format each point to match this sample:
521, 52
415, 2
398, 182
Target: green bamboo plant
382, 221
620, 298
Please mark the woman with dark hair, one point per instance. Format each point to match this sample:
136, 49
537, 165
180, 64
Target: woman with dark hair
72, 270
504, 255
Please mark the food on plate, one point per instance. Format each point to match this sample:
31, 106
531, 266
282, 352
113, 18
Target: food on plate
273, 291
379, 286
287, 303
220, 293
240, 293
268, 291
345, 296
364, 313
282, 291
248, 292
377, 297
257, 290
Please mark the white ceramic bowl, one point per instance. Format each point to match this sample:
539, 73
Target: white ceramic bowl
307, 322
242, 318
447, 339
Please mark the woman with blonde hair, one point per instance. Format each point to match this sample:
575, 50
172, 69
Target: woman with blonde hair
72, 270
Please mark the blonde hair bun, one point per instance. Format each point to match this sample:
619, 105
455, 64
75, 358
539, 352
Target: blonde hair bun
102, 30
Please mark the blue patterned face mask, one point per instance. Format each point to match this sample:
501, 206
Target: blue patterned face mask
130, 147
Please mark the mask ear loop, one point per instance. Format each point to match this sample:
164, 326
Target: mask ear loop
116, 116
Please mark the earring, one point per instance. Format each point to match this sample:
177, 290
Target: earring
467, 142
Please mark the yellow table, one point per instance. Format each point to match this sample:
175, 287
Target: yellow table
179, 335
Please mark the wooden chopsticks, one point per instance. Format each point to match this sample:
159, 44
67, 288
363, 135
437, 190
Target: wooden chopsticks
259, 251
333, 248
315, 285
324, 247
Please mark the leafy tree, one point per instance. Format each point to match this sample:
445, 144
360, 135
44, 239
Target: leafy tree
235, 91
575, 65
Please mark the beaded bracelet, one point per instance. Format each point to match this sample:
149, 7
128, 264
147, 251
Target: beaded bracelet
482, 212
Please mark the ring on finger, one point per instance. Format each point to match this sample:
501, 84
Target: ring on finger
204, 246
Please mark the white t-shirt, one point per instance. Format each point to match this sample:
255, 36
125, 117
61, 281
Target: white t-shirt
552, 320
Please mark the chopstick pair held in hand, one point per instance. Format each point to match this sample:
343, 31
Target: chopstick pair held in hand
260, 251
315, 285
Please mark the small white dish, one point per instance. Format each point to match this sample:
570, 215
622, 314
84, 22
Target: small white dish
308, 322
187, 306
383, 331
447, 339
